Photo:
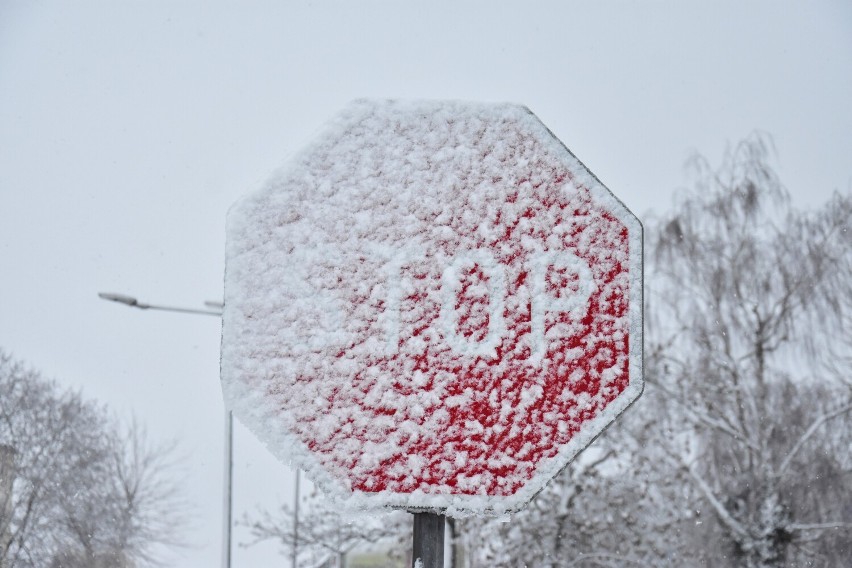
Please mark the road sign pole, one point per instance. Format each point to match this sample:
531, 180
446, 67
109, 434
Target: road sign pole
428, 540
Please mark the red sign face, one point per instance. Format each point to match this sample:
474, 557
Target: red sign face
435, 305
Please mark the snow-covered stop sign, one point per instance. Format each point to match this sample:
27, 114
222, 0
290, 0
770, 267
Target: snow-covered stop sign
434, 305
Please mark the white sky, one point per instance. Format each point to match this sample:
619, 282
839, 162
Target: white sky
127, 129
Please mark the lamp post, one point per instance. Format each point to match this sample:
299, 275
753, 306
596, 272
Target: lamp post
133, 302
227, 496
215, 309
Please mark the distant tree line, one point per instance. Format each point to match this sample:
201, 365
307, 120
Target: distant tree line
78, 489
739, 453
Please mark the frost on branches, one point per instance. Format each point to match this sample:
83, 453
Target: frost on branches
319, 535
751, 305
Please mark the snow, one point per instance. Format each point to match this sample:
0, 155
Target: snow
433, 306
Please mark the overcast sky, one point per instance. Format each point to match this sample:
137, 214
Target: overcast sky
127, 129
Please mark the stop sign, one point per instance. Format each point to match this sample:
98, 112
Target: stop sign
434, 305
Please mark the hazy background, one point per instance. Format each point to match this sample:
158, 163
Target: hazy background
127, 129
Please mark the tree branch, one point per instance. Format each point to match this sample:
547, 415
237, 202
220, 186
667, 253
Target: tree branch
819, 526
782, 469
704, 419
735, 526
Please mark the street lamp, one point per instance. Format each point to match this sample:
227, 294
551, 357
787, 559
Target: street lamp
133, 302
229, 419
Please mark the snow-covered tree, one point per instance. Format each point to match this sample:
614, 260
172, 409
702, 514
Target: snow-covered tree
323, 534
749, 302
598, 512
78, 490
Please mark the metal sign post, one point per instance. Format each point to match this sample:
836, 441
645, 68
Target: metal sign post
428, 550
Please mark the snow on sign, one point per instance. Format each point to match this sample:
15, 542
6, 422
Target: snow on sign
432, 306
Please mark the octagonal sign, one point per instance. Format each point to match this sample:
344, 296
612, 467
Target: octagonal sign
433, 306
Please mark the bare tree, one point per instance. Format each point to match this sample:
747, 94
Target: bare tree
83, 492
749, 299
324, 533
125, 508
612, 506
